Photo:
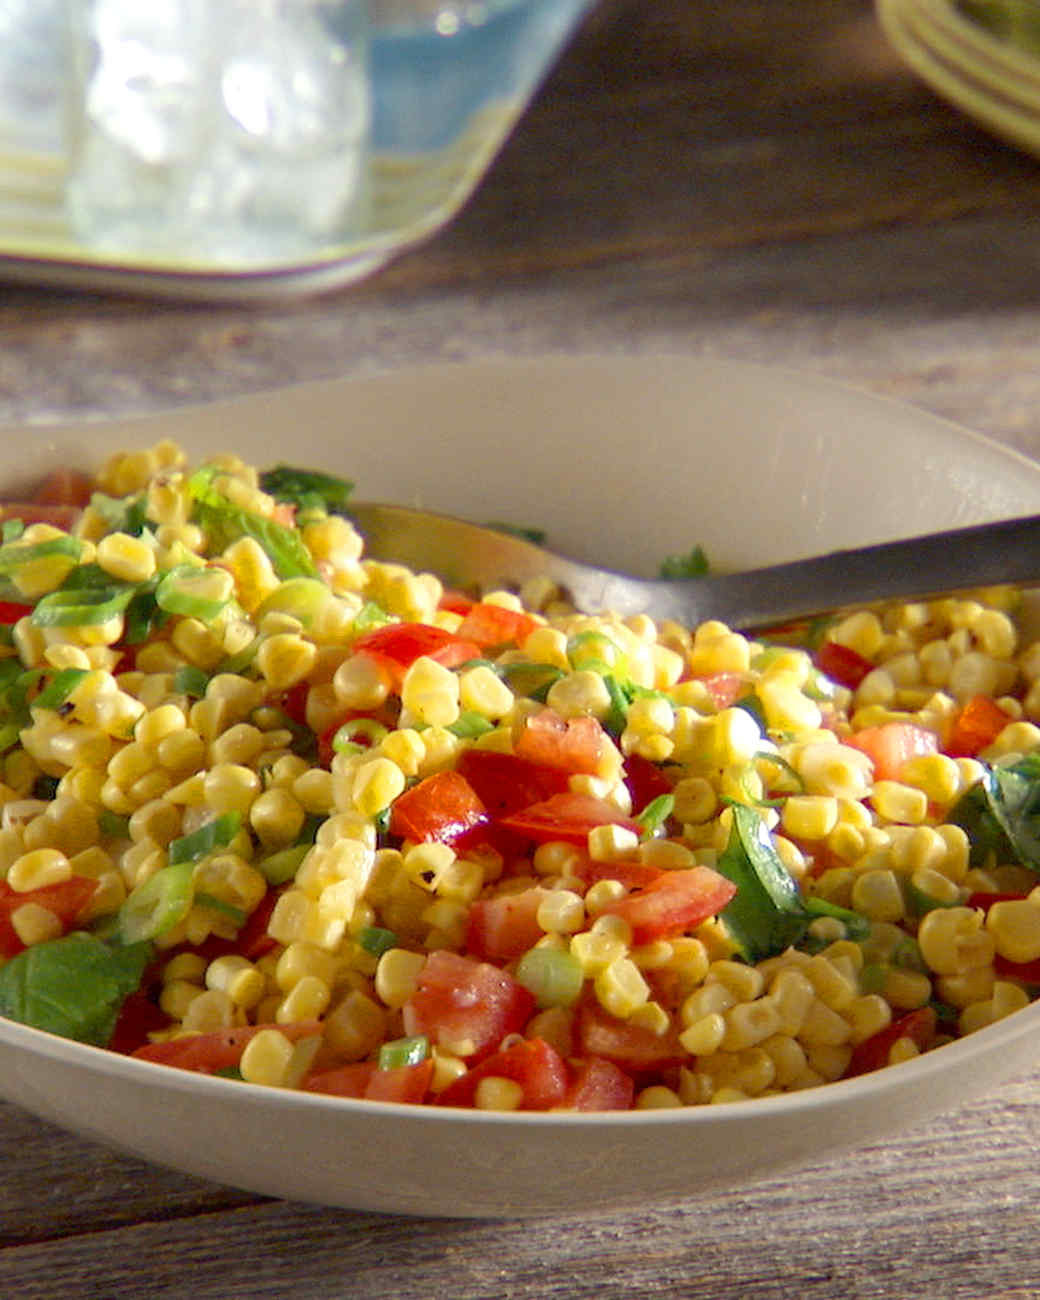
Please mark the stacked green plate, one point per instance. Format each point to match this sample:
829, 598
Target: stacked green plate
983, 56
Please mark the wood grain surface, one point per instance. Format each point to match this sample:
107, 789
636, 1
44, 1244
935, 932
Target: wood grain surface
761, 181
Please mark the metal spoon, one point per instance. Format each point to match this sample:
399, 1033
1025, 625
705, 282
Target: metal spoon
467, 556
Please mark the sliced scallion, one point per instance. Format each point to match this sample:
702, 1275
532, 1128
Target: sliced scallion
376, 940
357, 735
81, 606
404, 1051
655, 814
216, 834
216, 904
59, 688
195, 592
189, 680
14, 555
157, 905
554, 977
280, 867
468, 725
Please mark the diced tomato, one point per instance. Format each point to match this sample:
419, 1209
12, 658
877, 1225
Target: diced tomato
571, 744
493, 625
398, 645
1026, 971
252, 940
28, 512
505, 784
11, 611
293, 702
976, 727
632, 1047
139, 1016
456, 602
646, 781
986, 900
443, 807
725, 688
633, 875
842, 664
505, 927
598, 1084
220, 1050
532, 1063
918, 1025
466, 1006
567, 816
64, 487
66, 900
403, 1083
889, 745
676, 901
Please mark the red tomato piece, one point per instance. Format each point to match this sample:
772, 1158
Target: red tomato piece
646, 781
1026, 971
64, 487
976, 727
633, 875
398, 645
598, 1084
443, 807
676, 901
631, 1047
537, 1067
456, 602
66, 900
986, 900
220, 1050
571, 744
725, 688
11, 611
505, 927
567, 816
63, 517
842, 664
466, 1006
872, 1054
138, 1017
889, 745
404, 1083
505, 784
493, 625
293, 702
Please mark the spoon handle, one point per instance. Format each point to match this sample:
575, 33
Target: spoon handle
959, 559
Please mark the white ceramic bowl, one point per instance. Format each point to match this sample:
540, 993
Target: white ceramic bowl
623, 460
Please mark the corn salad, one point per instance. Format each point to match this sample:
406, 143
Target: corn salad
274, 810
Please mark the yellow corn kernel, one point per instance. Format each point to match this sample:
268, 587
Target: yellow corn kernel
822, 1025
596, 951
716, 649
355, 1026
788, 1058
494, 1092
234, 975
130, 559
1015, 927
689, 960
611, 842
230, 787
750, 1023
809, 817
561, 911
878, 895
34, 923
302, 960
277, 818
905, 990
621, 988
898, 802
867, 1015
267, 1058
744, 982
397, 975
377, 783
704, 1036
833, 987
710, 999
308, 999
38, 868
212, 1010
285, 659
975, 985
361, 682
430, 692
177, 996
952, 940
829, 768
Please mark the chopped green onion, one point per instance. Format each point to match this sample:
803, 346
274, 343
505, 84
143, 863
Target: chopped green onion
81, 606
59, 688
189, 680
857, 926
655, 814
554, 977
301, 598
357, 735
216, 834
306, 488
694, 564
595, 651
14, 555
157, 905
11, 530
194, 591
469, 725
370, 616
280, 867
531, 679
216, 904
111, 823
404, 1051
375, 940
9, 733
872, 977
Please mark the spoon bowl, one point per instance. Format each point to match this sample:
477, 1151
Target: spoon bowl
468, 556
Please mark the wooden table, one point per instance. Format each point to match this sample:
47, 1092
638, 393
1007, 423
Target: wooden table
760, 181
